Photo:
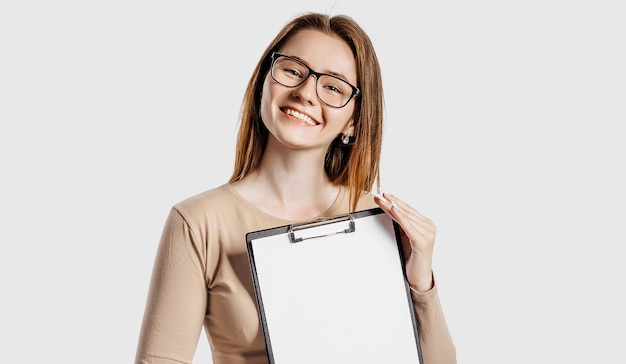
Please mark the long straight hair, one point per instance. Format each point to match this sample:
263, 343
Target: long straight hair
355, 165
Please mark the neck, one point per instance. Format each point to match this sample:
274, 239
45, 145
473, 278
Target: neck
290, 185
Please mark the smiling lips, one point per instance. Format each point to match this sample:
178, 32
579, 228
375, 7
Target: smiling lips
300, 116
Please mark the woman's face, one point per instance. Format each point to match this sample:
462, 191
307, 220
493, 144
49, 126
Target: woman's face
295, 117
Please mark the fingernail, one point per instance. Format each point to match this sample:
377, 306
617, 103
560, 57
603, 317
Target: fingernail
379, 194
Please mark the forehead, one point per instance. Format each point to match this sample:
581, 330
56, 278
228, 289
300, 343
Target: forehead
322, 52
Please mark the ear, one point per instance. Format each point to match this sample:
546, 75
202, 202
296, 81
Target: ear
349, 129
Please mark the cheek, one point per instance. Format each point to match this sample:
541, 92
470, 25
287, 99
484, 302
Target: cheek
266, 100
343, 116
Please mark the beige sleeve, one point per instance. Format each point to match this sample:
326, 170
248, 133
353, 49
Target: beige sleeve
435, 339
177, 297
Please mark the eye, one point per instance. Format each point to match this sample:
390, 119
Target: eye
334, 85
293, 72
290, 69
334, 89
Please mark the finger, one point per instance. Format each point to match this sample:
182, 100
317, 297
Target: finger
386, 205
401, 204
420, 231
417, 228
401, 210
407, 213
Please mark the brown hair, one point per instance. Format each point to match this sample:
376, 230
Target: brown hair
357, 165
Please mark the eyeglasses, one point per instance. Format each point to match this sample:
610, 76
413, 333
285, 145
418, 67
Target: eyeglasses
331, 90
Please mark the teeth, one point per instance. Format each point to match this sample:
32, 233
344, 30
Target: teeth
300, 116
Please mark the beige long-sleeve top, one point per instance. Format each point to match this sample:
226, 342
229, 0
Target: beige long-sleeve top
202, 277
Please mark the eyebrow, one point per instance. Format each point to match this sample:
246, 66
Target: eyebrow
331, 73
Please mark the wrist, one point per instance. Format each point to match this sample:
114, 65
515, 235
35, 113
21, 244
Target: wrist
419, 274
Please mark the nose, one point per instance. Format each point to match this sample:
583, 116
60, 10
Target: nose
307, 90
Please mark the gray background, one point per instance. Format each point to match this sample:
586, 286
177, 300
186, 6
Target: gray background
504, 124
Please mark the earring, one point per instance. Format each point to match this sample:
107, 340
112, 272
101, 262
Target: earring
346, 139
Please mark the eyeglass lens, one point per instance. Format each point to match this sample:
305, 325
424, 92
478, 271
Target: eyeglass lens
331, 90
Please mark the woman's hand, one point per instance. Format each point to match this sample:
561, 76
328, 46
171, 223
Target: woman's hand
417, 234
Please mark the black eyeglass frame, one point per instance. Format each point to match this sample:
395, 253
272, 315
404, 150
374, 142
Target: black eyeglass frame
275, 56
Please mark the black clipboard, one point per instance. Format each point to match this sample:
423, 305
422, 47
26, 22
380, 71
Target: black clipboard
334, 291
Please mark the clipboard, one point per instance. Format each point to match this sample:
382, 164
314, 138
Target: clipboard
334, 291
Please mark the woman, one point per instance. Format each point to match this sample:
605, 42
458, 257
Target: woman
308, 146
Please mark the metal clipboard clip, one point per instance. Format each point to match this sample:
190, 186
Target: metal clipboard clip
319, 223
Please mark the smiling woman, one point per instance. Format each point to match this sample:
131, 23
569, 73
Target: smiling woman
308, 147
